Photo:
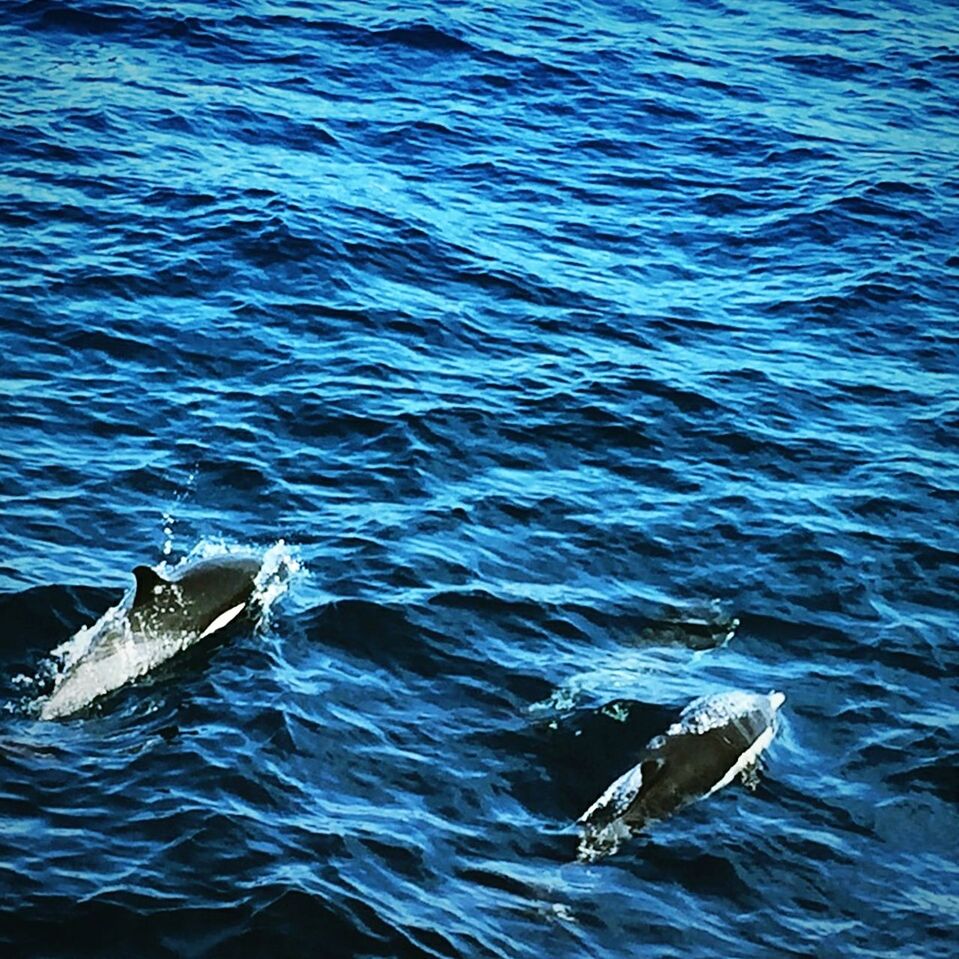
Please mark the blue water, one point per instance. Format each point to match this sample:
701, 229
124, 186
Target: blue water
550, 339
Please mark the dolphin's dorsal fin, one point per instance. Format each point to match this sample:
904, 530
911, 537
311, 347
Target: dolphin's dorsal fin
147, 580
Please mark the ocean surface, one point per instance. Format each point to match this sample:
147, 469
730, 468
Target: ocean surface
577, 360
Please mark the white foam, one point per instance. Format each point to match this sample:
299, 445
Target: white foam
168, 521
596, 844
280, 565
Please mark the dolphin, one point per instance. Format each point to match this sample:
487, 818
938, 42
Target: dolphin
715, 739
156, 620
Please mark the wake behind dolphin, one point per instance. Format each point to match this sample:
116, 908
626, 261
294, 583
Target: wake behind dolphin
155, 621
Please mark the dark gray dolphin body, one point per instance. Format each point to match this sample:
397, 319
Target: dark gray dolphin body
714, 740
163, 617
196, 598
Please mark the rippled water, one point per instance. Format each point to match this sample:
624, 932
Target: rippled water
552, 339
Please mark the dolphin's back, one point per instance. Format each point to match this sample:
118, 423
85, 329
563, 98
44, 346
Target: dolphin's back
195, 598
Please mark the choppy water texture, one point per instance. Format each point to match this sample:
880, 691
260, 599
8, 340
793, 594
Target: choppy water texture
551, 338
